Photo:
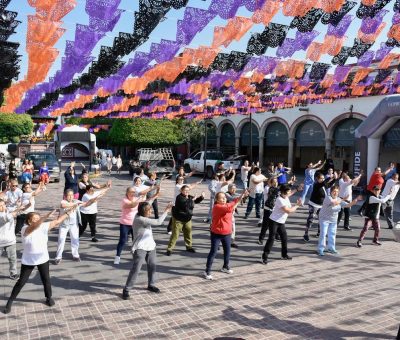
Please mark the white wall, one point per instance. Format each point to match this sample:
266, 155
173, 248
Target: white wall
326, 112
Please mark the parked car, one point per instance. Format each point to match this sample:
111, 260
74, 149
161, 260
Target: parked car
52, 163
196, 162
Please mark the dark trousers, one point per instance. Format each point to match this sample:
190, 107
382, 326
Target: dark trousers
216, 239
155, 208
19, 223
264, 226
124, 231
275, 227
91, 219
313, 212
24, 276
257, 199
346, 212
388, 209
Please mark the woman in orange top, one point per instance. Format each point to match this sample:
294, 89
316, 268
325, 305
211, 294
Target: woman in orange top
221, 230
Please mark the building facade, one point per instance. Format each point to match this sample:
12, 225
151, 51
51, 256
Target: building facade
298, 136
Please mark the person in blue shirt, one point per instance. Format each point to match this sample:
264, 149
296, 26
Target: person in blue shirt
392, 171
309, 177
282, 171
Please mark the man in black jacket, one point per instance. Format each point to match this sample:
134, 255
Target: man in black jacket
182, 214
317, 198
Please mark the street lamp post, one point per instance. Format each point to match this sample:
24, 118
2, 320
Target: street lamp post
205, 149
251, 137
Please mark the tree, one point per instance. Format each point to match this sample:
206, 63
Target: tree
192, 132
145, 132
13, 126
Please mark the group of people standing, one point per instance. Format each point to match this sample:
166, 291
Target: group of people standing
331, 198
19, 218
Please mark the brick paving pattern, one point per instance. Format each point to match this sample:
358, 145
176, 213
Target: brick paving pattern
350, 296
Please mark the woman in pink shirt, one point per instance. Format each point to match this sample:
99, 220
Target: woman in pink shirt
221, 231
129, 210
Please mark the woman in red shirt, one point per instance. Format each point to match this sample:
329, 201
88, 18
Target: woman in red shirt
221, 230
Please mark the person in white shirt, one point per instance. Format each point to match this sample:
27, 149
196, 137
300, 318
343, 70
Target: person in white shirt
28, 195
277, 220
14, 196
328, 219
372, 212
119, 164
141, 175
244, 172
35, 254
391, 188
89, 211
8, 241
218, 183
70, 225
140, 188
144, 247
256, 189
346, 193
109, 164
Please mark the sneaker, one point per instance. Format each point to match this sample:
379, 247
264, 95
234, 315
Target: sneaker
360, 213
57, 261
226, 270
207, 276
359, 244
259, 225
287, 258
277, 238
50, 302
260, 242
245, 217
14, 277
320, 253
258, 216
332, 251
94, 239
206, 220
234, 245
153, 289
347, 228
168, 253
190, 250
264, 258
76, 259
306, 238
125, 295
169, 233
376, 242
117, 259
316, 235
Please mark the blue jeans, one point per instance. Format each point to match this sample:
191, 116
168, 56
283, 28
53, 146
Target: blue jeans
306, 188
226, 244
124, 231
258, 201
330, 229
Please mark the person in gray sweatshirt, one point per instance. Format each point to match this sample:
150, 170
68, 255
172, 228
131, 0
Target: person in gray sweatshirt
144, 247
8, 241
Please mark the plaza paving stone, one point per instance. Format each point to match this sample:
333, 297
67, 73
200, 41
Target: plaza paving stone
351, 296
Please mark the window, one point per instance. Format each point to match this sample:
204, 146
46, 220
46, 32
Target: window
197, 157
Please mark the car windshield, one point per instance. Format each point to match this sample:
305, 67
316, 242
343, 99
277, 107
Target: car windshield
39, 158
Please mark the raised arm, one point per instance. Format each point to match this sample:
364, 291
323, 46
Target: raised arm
61, 219
32, 227
39, 189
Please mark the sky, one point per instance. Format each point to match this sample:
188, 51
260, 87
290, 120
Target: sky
167, 30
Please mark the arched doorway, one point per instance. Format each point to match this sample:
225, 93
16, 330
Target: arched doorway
245, 141
75, 151
310, 143
228, 139
390, 146
343, 143
276, 143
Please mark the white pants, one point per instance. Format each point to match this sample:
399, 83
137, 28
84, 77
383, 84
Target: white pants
74, 236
